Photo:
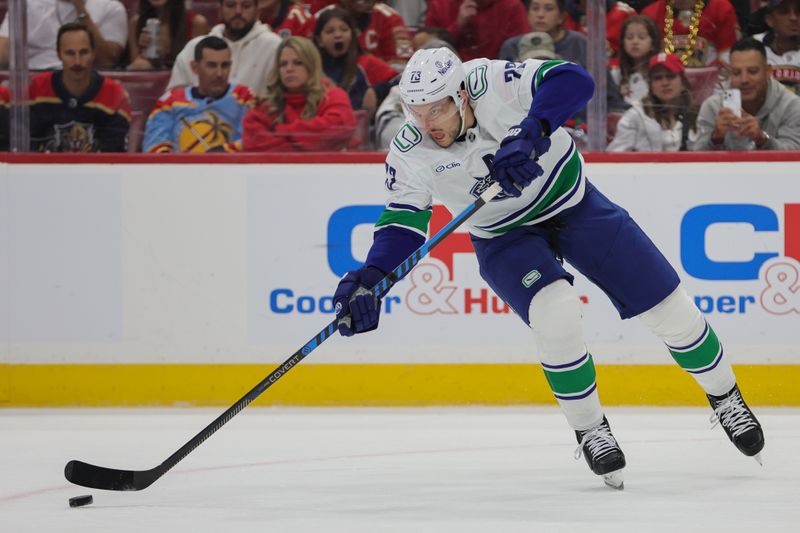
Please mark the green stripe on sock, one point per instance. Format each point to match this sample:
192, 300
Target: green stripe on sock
701, 355
417, 220
572, 381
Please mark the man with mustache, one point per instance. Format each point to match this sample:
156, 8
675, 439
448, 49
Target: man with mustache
770, 114
203, 118
253, 48
76, 109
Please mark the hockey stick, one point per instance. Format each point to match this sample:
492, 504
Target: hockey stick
100, 477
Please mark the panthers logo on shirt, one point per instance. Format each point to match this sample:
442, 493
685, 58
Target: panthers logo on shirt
205, 134
72, 136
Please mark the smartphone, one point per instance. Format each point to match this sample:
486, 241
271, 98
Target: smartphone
732, 99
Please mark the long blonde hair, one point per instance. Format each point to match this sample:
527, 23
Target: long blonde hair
314, 88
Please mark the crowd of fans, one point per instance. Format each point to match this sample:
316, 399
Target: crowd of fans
285, 75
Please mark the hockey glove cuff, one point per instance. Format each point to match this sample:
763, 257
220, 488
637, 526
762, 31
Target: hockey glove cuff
357, 309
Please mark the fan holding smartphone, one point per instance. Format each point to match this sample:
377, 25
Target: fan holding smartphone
756, 113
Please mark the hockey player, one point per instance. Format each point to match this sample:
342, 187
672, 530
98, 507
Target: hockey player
485, 120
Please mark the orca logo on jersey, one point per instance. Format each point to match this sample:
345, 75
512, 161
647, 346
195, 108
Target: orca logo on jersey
484, 182
530, 278
442, 68
416, 76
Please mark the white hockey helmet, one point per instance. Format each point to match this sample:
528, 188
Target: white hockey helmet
432, 75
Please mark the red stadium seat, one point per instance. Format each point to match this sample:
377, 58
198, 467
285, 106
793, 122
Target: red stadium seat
144, 87
704, 80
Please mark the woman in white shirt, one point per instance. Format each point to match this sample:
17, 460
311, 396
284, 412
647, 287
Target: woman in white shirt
663, 121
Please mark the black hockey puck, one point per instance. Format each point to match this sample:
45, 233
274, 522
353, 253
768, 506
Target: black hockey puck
80, 501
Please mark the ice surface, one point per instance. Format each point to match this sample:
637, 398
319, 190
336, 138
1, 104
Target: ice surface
412, 470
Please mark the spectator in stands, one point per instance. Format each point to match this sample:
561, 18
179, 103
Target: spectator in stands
334, 35
302, 111
700, 32
5, 123
287, 17
663, 121
380, 74
478, 27
770, 115
782, 41
204, 118
382, 31
76, 109
639, 38
106, 20
253, 48
425, 34
176, 27
548, 16
616, 14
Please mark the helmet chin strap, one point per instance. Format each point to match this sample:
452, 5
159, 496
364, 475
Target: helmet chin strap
462, 112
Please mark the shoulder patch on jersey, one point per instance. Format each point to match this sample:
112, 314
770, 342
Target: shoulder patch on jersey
407, 138
476, 82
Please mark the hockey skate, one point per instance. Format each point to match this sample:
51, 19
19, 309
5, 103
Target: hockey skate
603, 454
738, 421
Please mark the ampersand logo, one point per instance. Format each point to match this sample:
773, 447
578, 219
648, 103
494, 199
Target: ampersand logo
427, 295
781, 296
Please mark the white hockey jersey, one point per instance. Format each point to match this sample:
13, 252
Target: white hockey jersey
418, 170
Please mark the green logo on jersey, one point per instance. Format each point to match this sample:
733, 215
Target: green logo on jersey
476, 82
530, 278
407, 138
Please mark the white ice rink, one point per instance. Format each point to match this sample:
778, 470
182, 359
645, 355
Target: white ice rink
411, 470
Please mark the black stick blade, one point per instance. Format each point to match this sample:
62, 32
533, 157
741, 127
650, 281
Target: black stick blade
99, 477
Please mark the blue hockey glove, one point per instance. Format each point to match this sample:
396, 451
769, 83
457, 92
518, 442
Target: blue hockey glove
515, 165
357, 309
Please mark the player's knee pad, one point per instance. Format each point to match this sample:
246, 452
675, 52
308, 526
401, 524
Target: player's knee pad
555, 315
675, 320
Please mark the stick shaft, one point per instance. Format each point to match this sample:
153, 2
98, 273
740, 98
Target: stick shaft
99, 477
